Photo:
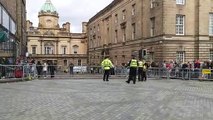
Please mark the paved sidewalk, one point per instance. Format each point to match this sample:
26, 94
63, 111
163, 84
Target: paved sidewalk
93, 99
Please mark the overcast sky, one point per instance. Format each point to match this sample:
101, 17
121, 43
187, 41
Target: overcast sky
73, 11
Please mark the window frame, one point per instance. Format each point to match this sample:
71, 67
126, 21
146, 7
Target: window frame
179, 25
210, 24
180, 56
152, 28
180, 2
33, 49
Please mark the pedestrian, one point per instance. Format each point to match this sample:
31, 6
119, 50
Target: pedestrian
45, 69
52, 69
133, 64
144, 72
39, 68
71, 68
33, 69
140, 69
106, 65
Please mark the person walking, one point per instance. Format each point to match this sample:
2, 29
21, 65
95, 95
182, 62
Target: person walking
106, 65
133, 64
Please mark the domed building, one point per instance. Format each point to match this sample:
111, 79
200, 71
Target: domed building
52, 43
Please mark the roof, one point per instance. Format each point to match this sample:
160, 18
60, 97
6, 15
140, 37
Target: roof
48, 8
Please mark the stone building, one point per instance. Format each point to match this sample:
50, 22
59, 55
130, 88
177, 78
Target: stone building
50, 42
12, 28
179, 30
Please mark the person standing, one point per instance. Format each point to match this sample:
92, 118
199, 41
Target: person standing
45, 69
133, 64
39, 68
140, 69
52, 69
71, 68
106, 65
144, 72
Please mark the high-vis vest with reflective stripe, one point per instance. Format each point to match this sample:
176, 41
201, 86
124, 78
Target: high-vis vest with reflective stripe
133, 63
106, 64
140, 64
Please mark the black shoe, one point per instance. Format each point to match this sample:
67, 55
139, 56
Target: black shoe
127, 82
103, 80
107, 80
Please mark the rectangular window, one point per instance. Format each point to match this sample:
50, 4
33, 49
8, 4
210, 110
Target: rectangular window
116, 18
0, 15
211, 24
48, 50
180, 2
79, 62
133, 31
34, 50
152, 29
124, 14
65, 63
180, 24
6, 19
12, 26
124, 34
180, 56
63, 50
116, 36
133, 9
211, 55
98, 29
75, 48
152, 3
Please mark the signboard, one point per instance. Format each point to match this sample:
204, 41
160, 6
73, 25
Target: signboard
206, 71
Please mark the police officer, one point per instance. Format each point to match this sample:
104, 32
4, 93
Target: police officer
106, 65
133, 64
144, 72
140, 69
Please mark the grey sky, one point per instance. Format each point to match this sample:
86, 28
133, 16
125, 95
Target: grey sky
73, 11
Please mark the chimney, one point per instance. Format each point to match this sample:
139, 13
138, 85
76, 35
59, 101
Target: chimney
66, 26
29, 25
84, 27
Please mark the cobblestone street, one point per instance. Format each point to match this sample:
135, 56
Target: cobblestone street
97, 100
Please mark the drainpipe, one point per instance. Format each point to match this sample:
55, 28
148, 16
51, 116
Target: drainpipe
197, 30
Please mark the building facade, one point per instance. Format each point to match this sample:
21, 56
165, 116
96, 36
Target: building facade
12, 28
179, 30
50, 42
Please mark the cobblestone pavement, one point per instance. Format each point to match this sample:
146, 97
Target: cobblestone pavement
97, 100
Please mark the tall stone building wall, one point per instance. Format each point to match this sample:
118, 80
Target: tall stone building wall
13, 17
163, 42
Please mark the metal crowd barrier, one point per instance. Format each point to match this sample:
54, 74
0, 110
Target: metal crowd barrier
180, 73
31, 72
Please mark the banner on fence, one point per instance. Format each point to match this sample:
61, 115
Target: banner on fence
206, 71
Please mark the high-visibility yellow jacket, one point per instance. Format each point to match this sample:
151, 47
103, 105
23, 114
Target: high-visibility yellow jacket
106, 64
134, 63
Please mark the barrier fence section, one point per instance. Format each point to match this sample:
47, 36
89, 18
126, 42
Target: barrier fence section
33, 71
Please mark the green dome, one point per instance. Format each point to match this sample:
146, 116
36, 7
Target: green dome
48, 8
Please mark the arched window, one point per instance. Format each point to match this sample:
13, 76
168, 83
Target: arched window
75, 49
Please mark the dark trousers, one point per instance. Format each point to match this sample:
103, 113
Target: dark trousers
140, 70
106, 75
132, 74
144, 76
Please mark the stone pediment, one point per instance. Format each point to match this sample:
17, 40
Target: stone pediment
49, 33
48, 43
